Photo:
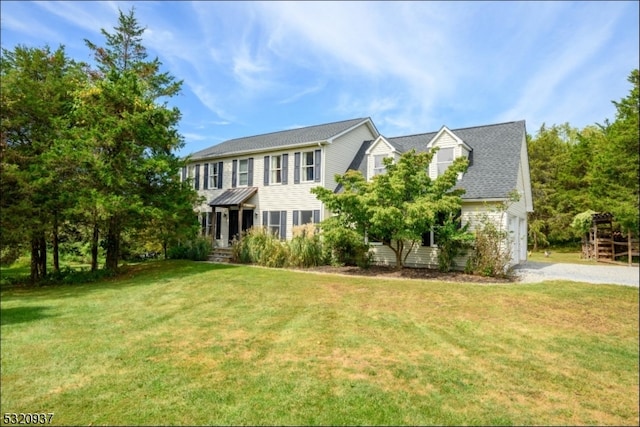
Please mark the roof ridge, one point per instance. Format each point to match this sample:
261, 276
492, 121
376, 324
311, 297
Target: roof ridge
295, 129
456, 129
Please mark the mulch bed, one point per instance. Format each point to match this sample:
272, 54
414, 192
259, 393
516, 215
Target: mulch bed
410, 273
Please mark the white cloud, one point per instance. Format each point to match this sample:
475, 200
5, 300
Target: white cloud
91, 16
302, 93
546, 93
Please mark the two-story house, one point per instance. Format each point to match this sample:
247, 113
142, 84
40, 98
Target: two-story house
265, 179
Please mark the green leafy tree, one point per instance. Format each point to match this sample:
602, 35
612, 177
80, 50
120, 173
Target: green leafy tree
132, 133
399, 206
613, 174
556, 157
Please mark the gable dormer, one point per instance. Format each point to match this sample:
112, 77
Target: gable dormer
379, 149
450, 147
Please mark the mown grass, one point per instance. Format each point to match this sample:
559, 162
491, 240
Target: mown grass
177, 342
569, 256
561, 255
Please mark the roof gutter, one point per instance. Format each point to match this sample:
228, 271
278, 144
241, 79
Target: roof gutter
259, 150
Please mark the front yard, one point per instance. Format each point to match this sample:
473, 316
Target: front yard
176, 342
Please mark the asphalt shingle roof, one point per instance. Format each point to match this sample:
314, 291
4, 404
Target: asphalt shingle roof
278, 139
495, 159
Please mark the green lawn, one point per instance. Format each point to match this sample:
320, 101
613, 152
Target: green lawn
562, 255
177, 342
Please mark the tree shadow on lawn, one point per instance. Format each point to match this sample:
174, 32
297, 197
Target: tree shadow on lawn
13, 315
145, 274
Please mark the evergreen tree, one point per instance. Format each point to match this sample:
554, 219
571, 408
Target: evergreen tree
132, 133
613, 173
36, 100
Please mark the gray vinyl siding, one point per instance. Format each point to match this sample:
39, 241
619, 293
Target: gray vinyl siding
339, 154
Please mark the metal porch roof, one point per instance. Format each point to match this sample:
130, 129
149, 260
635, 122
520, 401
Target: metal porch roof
233, 196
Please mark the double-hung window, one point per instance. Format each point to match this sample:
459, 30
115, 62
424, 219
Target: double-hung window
213, 175
444, 159
274, 223
194, 175
308, 166
243, 172
378, 164
306, 217
276, 169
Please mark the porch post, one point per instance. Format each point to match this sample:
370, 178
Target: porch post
213, 227
240, 214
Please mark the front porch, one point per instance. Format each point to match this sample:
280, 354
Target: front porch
231, 215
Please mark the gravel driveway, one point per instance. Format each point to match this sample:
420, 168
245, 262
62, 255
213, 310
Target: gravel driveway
609, 274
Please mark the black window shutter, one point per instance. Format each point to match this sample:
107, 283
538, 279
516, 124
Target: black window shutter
220, 164
265, 218
285, 168
295, 218
296, 168
197, 178
283, 225
316, 216
205, 184
266, 170
234, 173
184, 173
316, 166
250, 169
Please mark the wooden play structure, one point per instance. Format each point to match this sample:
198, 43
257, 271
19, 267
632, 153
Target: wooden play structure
605, 244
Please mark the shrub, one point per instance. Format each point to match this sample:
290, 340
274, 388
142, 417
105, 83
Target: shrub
10, 254
452, 240
197, 249
492, 250
344, 245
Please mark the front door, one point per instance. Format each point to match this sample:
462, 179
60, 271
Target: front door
233, 225
247, 223
247, 219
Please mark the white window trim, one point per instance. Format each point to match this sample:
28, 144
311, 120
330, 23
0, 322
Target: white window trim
448, 162
382, 168
273, 170
213, 176
274, 228
304, 166
243, 173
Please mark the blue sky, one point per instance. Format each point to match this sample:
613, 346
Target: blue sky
256, 67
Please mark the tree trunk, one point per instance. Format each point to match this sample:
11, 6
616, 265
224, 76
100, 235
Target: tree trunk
56, 245
35, 259
113, 244
94, 247
42, 243
397, 250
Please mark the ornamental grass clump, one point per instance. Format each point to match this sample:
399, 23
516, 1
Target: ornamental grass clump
259, 246
305, 248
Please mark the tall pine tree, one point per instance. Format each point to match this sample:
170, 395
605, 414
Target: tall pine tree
132, 132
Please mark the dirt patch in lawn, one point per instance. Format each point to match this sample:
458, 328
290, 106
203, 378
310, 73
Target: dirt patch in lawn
410, 273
